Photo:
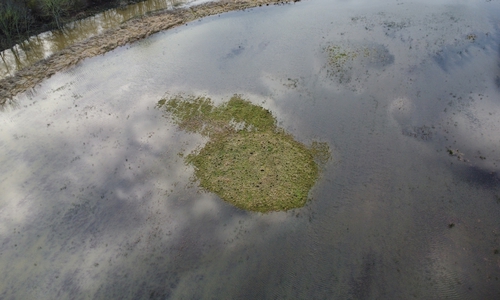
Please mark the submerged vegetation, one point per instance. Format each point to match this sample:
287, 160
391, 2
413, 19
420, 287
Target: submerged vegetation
374, 54
248, 161
350, 64
339, 56
341, 60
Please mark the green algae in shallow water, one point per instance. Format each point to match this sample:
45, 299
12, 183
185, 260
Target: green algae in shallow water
352, 64
338, 56
248, 161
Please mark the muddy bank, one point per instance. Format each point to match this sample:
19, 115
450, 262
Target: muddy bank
128, 32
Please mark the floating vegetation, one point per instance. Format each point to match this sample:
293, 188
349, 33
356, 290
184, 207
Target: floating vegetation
472, 37
455, 152
248, 161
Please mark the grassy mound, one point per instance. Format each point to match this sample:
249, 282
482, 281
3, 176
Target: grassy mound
248, 160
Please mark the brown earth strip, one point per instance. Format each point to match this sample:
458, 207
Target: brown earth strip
128, 32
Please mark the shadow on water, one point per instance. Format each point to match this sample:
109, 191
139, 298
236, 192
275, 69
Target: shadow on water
497, 79
477, 176
464, 51
467, 47
361, 286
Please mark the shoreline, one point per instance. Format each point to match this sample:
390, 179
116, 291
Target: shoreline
129, 32
40, 27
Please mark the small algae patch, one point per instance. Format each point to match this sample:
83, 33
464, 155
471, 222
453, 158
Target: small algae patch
339, 56
341, 61
248, 161
350, 64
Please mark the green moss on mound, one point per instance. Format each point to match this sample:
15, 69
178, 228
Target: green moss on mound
248, 161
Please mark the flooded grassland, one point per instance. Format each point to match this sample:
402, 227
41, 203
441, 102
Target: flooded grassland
106, 193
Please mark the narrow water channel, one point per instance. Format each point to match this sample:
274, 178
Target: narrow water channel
96, 200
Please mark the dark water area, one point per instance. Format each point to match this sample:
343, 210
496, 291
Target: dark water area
97, 202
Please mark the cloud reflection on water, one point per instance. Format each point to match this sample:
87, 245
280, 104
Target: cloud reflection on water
96, 202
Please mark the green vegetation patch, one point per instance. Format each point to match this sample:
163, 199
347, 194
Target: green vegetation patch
248, 161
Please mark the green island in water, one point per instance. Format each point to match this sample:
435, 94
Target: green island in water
248, 161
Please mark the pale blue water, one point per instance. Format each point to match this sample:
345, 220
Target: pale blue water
96, 202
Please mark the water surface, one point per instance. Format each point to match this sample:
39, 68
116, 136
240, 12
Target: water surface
96, 201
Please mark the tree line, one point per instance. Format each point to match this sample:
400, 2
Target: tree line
22, 18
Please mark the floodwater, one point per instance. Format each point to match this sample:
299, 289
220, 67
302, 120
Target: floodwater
43, 45
96, 201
